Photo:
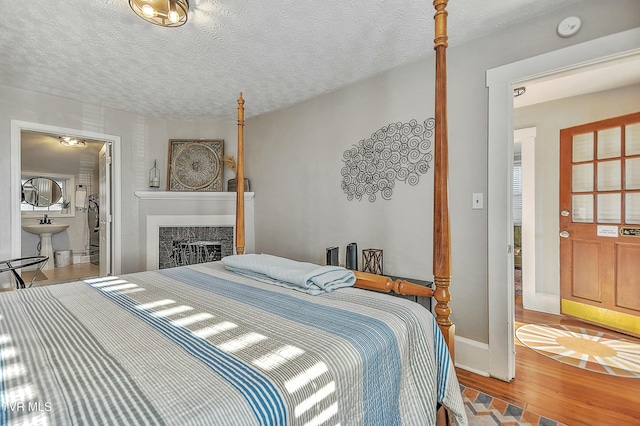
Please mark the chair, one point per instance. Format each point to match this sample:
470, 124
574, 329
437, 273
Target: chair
23, 262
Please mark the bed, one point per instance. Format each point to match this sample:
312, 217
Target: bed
199, 344
203, 344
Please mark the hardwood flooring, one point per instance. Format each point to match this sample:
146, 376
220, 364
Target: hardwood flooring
564, 393
61, 274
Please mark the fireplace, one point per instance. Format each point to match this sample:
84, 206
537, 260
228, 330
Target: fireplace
177, 240
188, 245
192, 237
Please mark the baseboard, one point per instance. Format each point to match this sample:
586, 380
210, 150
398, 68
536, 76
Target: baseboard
81, 258
472, 356
541, 302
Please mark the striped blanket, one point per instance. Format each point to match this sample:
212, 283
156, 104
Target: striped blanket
200, 345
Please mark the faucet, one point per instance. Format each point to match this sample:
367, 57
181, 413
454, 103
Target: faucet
45, 221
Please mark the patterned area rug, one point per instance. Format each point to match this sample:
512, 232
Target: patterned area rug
485, 410
583, 348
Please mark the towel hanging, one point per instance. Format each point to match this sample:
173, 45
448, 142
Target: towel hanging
81, 197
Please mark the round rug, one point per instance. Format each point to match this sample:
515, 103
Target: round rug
588, 349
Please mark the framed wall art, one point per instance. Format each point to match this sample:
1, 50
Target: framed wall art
195, 165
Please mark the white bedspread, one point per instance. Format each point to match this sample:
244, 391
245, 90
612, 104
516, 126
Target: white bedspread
200, 345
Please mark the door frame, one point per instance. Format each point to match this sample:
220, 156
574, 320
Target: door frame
501, 82
105, 158
17, 126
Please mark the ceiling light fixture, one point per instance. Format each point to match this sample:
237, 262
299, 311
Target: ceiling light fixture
72, 142
166, 13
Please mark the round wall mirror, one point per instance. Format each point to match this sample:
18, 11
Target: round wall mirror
41, 192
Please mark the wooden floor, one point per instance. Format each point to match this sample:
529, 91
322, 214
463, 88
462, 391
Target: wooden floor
561, 392
61, 274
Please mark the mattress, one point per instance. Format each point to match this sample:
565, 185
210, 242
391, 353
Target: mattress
200, 345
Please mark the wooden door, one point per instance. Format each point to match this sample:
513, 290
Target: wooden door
600, 222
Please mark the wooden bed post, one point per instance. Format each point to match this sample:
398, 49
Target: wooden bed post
240, 180
441, 231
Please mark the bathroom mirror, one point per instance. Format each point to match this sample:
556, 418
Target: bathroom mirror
41, 192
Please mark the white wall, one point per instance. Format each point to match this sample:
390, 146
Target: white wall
549, 118
143, 139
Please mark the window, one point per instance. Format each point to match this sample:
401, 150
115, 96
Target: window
517, 193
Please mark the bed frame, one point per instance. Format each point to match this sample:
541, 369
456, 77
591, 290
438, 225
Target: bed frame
441, 231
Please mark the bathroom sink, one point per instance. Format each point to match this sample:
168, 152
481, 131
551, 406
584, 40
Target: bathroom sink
46, 228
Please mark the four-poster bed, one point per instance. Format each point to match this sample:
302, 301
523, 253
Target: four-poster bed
441, 231
214, 344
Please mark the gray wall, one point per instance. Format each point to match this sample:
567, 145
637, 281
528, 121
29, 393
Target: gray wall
294, 160
549, 118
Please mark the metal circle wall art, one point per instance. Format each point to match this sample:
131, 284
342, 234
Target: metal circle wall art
195, 165
396, 152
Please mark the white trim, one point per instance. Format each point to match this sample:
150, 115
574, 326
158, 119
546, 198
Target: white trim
543, 302
191, 195
472, 356
500, 82
531, 298
526, 133
154, 222
17, 127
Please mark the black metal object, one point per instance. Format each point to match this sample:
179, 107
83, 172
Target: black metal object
333, 256
351, 262
23, 262
372, 261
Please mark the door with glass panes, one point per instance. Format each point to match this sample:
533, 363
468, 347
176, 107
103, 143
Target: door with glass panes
600, 222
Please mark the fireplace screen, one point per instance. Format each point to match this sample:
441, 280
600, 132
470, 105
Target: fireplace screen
188, 245
190, 252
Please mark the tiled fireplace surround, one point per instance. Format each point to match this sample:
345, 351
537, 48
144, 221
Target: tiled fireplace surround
170, 215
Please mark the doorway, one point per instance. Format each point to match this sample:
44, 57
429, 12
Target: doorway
106, 195
501, 82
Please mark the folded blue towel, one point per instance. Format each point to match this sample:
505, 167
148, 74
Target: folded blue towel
302, 276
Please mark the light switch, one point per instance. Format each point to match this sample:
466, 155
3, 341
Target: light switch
478, 203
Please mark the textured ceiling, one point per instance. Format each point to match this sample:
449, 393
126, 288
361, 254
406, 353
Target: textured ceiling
277, 52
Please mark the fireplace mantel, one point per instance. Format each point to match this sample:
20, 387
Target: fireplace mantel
186, 209
191, 195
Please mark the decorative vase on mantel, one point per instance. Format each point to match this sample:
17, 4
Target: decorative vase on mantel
232, 185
